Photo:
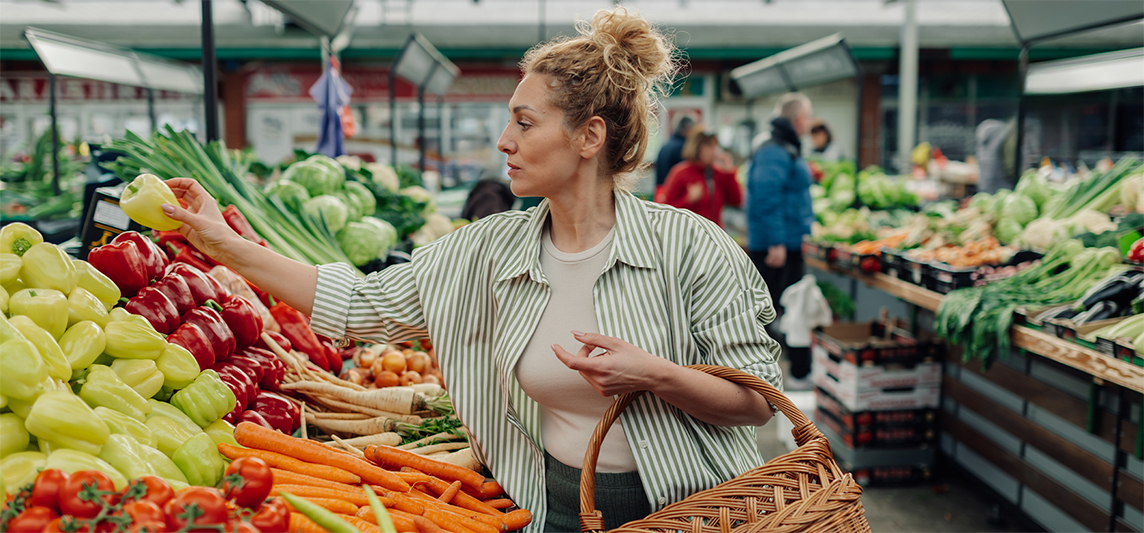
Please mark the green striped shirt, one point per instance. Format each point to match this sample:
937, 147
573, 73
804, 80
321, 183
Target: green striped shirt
675, 285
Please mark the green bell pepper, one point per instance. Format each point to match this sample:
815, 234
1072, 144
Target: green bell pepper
178, 366
139, 374
200, 461
206, 400
103, 387
143, 201
9, 267
21, 468
83, 305
18, 237
72, 461
82, 344
53, 356
162, 465
47, 266
221, 431
13, 436
165, 409
133, 340
121, 424
64, 418
169, 434
48, 308
126, 454
97, 283
22, 370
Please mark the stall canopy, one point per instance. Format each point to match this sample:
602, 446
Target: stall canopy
320, 17
1113, 70
421, 64
814, 63
1035, 20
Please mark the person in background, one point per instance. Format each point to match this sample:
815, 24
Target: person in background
779, 211
672, 151
705, 180
824, 148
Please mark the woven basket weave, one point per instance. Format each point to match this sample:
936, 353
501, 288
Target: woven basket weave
801, 491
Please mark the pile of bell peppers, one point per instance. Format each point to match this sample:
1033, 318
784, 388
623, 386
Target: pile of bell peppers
222, 330
84, 385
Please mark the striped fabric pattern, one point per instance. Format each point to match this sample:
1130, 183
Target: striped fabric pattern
675, 285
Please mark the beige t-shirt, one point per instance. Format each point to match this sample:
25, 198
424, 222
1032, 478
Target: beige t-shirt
569, 407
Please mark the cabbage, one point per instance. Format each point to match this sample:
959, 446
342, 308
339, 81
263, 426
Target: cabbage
877, 191
387, 230
983, 201
291, 194
353, 206
1018, 207
328, 162
1033, 185
1007, 230
365, 199
363, 242
998, 202
329, 209
420, 195
317, 178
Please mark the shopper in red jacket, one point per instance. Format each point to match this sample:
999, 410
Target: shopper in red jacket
705, 180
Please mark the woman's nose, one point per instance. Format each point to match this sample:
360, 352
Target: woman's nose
504, 144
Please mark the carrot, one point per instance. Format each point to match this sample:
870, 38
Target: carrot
418, 502
286, 477
331, 504
300, 524
491, 489
424, 525
255, 436
413, 477
447, 521
391, 457
461, 499
517, 519
401, 522
356, 497
362, 525
285, 462
500, 503
447, 495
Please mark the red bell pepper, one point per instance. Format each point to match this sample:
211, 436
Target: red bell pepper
240, 225
195, 340
295, 327
123, 263
277, 337
201, 288
238, 381
249, 365
152, 304
217, 332
274, 370
333, 355
253, 416
166, 237
283, 414
235, 416
176, 290
185, 253
1136, 252
153, 257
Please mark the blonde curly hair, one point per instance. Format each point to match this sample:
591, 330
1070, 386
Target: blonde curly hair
614, 69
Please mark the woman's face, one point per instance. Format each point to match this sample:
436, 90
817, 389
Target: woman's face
819, 139
541, 158
707, 152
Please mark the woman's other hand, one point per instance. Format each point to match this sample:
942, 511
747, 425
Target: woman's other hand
621, 368
776, 256
203, 224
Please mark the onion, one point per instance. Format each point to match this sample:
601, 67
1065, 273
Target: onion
394, 362
410, 378
366, 358
386, 378
419, 362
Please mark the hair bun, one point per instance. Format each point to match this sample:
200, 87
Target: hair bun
630, 46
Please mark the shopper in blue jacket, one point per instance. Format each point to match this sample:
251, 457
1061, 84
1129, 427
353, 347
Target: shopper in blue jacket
779, 210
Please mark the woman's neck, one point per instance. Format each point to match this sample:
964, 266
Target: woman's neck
582, 216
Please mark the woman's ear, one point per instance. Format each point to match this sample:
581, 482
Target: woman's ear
594, 134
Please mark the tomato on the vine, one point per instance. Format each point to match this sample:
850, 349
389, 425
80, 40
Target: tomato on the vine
274, 515
245, 527
198, 506
153, 489
144, 511
85, 493
32, 520
148, 527
248, 481
46, 488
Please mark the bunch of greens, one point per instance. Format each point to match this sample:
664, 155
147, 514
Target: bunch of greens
26, 192
978, 318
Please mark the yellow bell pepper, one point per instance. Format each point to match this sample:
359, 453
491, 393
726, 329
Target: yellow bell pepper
13, 437
83, 305
18, 237
21, 468
53, 356
3, 301
142, 375
143, 201
104, 387
9, 267
82, 344
22, 370
48, 308
63, 418
72, 461
119, 423
120, 314
133, 340
178, 366
46, 266
97, 283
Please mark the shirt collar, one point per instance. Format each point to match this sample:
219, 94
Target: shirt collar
632, 244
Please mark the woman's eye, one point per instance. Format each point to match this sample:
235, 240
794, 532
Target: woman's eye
524, 125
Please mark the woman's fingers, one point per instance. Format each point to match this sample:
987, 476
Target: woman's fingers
596, 339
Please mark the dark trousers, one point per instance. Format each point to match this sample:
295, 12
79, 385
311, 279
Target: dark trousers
619, 497
778, 279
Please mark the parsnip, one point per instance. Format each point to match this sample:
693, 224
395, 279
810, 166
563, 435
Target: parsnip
403, 401
380, 439
444, 446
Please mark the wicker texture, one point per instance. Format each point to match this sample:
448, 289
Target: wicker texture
801, 491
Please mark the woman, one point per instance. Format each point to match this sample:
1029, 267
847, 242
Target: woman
518, 302
824, 149
705, 180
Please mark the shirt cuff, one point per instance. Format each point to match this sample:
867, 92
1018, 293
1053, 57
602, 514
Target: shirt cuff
332, 300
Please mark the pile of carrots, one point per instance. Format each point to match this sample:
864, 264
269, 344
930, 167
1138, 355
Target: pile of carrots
420, 494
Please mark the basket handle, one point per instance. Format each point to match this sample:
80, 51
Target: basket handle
592, 520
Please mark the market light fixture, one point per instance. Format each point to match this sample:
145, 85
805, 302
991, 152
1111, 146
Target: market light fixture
1112, 70
421, 64
815, 63
1035, 20
320, 17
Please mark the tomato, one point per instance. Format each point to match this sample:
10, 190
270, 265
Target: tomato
66, 524
32, 520
198, 505
156, 490
246, 527
46, 489
148, 527
274, 515
248, 481
85, 493
144, 511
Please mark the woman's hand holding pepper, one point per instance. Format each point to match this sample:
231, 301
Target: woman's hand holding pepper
203, 224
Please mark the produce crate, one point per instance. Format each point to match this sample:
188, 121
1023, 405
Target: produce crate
881, 465
1119, 348
944, 278
877, 429
822, 252
891, 262
875, 343
1026, 316
916, 272
858, 262
1078, 333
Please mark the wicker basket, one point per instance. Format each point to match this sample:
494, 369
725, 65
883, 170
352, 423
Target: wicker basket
801, 491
